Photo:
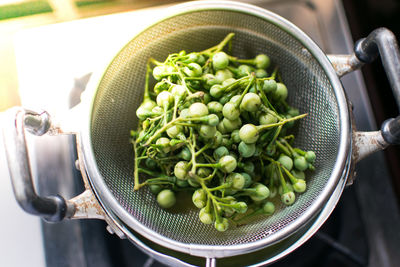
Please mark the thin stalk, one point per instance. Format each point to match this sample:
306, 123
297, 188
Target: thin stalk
266, 101
245, 90
192, 147
136, 168
283, 148
282, 122
204, 148
219, 46
146, 95
223, 186
282, 180
161, 130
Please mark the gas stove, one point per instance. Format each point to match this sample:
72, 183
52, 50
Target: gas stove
54, 65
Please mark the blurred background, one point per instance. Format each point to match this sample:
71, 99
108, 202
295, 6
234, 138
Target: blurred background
16, 15
32, 31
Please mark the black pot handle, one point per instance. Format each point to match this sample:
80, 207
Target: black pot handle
51, 208
383, 42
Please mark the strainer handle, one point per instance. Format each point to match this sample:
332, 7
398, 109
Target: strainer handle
51, 208
383, 42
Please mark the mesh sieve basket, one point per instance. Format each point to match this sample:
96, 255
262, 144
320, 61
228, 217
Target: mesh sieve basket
313, 86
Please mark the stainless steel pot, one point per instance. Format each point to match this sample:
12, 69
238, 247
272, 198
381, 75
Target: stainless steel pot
107, 112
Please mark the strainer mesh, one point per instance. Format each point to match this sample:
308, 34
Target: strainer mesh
120, 92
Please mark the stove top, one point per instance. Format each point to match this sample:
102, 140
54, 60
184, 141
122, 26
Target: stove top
54, 64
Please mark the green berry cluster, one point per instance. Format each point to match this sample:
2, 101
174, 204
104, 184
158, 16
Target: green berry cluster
217, 126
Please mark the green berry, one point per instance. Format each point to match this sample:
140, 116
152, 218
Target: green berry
223, 75
269, 86
220, 60
199, 198
250, 102
215, 107
231, 125
261, 192
193, 70
220, 152
216, 91
286, 162
300, 163
206, 217
288, 198
164, 145
268, 208
222, 225
260, 73
230, 111
248, 133
299, 186
166, 199
310, 156
246, 150
165, 99
228, 163
244, 70
281, 92
266, 119
180, 170
155, 188
198, 110
207, 131
262, 61
235, 136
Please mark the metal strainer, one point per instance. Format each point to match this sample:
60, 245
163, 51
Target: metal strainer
314, 87
120, 92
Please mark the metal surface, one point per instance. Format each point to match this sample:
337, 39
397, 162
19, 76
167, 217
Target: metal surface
367, 143
86, 206
344, 64
292, 50
259, 258
382, 42
325, 23
51, 208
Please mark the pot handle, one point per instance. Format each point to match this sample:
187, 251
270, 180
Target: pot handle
379, 42
51, 208
383, 42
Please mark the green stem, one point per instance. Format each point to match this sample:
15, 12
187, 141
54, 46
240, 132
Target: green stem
204, 148
156, 62
282, 180
192, 147
160, 131
282, 122
266, 101
283, 148
242, 61
216, 165
273, 75
219, 46
288, 146
136, 168
291, 177
146, 95
245, 91
223, 186
186, 124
